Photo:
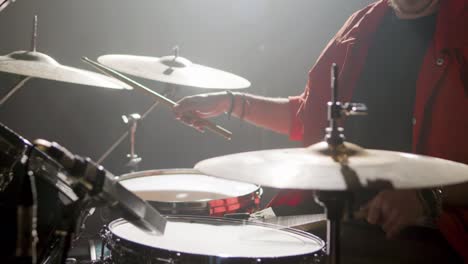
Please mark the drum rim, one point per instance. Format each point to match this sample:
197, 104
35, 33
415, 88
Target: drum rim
157, 172
207, 219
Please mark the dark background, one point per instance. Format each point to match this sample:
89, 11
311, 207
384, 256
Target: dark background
272, 43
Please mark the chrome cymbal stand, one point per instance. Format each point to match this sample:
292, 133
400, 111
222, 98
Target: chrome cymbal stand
132, 121
334, 202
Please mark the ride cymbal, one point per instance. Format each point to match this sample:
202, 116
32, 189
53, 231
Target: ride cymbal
174, 70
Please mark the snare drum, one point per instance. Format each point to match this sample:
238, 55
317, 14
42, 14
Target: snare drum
189, 192
197, 240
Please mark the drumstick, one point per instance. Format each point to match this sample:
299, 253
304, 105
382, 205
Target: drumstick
164, 100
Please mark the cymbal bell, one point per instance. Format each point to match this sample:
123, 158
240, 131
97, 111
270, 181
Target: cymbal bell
313, 168
174, 70
39, 65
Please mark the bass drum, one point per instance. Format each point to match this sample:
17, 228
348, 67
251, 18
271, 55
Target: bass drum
205, 240
189, 192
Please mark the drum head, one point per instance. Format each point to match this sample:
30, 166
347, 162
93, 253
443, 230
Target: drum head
222, 237
183, 185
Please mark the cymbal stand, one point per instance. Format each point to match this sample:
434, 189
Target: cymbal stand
334, 205
334, 201
23, 79
134, 159
18, 85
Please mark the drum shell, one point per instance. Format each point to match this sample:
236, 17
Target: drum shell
124, 251
245, 203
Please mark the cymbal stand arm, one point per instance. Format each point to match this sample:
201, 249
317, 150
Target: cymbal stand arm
112, 147
337, 110
34, 35
334, 134
15, 88
132, 138
134, 160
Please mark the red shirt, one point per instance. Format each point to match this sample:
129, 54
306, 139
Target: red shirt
440, 110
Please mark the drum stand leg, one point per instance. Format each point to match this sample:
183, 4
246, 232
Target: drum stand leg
334, 204
18, 85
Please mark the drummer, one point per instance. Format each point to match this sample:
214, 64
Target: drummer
407, 60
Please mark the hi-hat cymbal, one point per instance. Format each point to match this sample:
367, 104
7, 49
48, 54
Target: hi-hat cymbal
40, 65
174, 70
312, 168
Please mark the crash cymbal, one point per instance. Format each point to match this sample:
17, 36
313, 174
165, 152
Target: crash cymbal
40, 65
313, 168
174, 70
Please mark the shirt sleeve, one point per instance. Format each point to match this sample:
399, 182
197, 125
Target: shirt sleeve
453, 224
296, 127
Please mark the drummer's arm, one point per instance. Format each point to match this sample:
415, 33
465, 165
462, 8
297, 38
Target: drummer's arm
266, 112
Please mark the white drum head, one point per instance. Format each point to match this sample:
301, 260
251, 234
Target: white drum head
183, 186
223, 238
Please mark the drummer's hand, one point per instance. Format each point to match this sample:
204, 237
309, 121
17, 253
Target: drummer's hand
202, 105
394, 210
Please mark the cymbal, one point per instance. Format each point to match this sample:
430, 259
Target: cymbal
174, 70
40, 65
313, 169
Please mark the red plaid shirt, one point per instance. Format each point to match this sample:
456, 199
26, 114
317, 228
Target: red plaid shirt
441, 105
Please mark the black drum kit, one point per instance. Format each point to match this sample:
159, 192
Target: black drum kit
184, 215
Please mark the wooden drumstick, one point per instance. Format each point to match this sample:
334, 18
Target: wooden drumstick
164, 100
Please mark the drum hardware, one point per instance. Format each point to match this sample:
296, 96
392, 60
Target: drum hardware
334, 201
86, 176
164, 100
27, 235
33, 203
33, 64
132, 119
4, 3
15, 88
23, 79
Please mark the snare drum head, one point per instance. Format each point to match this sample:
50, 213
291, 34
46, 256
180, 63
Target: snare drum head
179, 185
222, 238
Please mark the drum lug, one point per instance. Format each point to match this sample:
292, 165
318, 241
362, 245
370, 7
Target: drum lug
70, 261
